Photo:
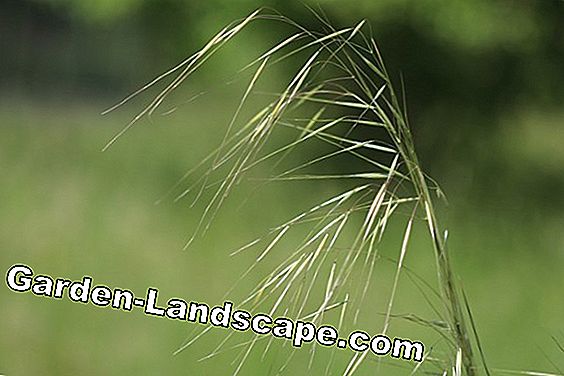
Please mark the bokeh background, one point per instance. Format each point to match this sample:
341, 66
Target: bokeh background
485, 90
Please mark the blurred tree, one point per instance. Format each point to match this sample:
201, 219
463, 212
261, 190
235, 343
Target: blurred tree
467, 64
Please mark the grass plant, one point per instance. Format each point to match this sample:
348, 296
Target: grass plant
341, 89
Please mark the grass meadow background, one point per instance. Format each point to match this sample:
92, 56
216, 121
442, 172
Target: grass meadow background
484, 84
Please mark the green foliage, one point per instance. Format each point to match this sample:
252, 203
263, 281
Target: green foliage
99, 11
464, 24
473, 24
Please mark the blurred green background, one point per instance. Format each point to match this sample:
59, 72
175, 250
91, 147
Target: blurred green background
485, 91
